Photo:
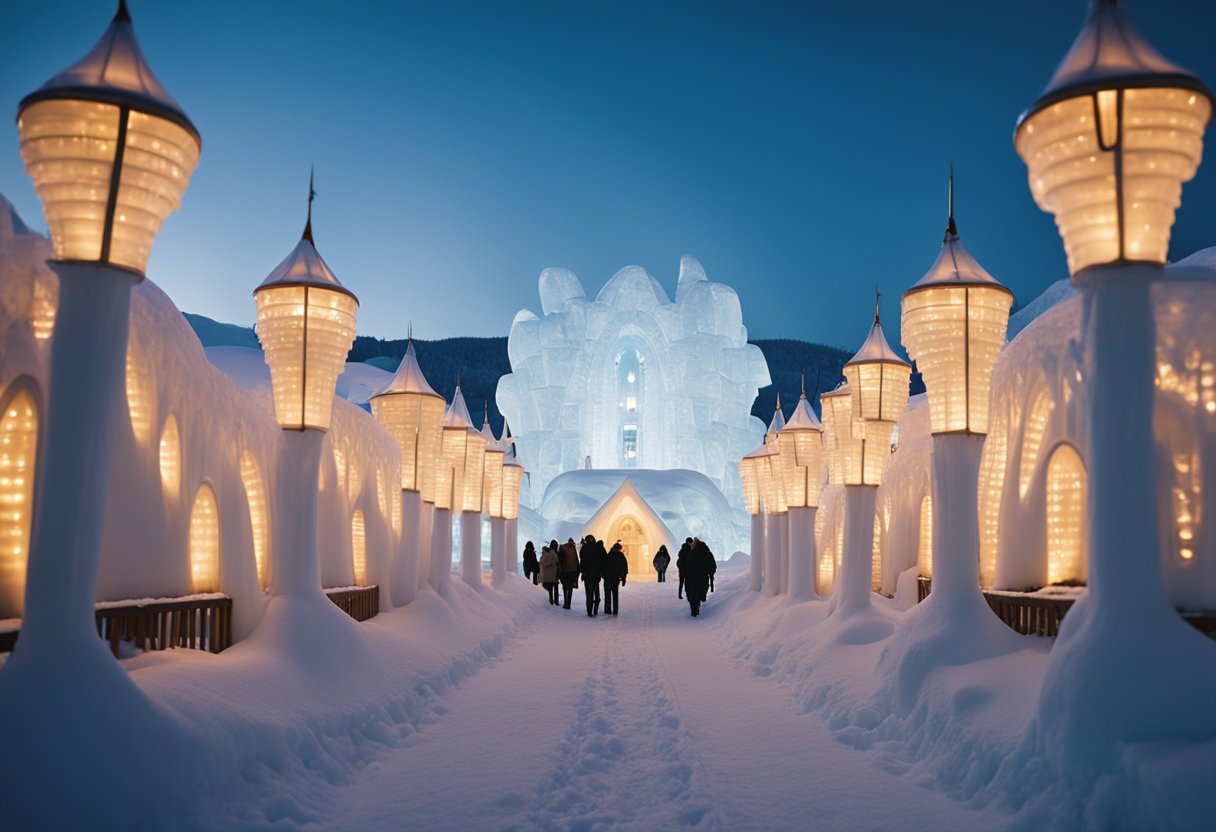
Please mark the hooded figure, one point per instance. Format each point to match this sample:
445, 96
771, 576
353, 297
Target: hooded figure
698, 571
681, 561
616, 567
661, 561
568, 559
591, 565
531, 564
548, 569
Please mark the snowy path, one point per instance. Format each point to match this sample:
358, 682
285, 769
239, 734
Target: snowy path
635, 722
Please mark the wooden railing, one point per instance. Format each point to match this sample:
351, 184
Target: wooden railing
1040, 615
359, 602
198, 623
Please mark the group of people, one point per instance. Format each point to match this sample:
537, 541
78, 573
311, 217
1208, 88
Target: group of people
562, 565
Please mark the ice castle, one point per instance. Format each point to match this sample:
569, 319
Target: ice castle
632, 381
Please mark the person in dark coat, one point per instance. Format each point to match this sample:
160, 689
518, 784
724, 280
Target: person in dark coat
699, 568
568, 556
616, 568
531, 564
681, 561
591, 566
661, 561
549, 570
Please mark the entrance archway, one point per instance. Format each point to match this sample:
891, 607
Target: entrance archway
632, 534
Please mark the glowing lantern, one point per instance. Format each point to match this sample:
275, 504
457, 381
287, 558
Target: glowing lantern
459, 480
306, 323
954, 322
1110, 141
751, 484
109, 150
19, 424
412, 413
843, 438
802, 459
358, 548
255, 497
878, 385
205, 541
494, 475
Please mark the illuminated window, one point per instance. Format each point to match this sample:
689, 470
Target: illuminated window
631, 403
1066, 544
991, 482
255, 496
44, 307
924, 554
1032, 440
1186, 497
358, 548
170, 458
876, 555
139, 394
18, 457
340, 464
205, 541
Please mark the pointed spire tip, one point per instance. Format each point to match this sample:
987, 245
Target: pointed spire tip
123, 15
951, 228
312, 194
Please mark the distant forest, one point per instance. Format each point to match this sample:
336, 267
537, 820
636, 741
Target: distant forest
480, 362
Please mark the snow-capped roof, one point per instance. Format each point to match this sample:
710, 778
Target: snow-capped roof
763, 450
954, 265
778, 417
458, 413
304, 267
488, 433
1109, 52
409, 377
115, 72
626, 501
803, 417
875, 348
841, 389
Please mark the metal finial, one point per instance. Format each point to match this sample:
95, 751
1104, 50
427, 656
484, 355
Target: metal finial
486, 418
458, 381
951, 228
778, 401
804, 382
123, 15
311, 196
877, 298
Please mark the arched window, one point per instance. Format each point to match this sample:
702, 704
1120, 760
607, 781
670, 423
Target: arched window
255, 497
205, 541
358, 548
170, 458
19, 425
1032, 440
1066, 544
924, 554
139, 394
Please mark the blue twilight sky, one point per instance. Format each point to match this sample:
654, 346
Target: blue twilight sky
799, 150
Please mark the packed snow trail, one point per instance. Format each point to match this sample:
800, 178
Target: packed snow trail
635, 722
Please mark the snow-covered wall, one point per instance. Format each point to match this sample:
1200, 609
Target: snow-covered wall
187, 424
680, 373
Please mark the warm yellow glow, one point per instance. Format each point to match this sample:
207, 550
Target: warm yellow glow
306, 333
876, 555
512, 481
69, 150
139, 393
255, 497
358, 548
825, 571
492, 483
924, 553
459, 478
751, 484
772, 494
879, 388
1072, 148
18, 458
354, 474
415, 421
846, 435
1066, 544
991, 483
802, 462
1186, 500
170, 458
954, 333
1032, 440
44, 306
205, 542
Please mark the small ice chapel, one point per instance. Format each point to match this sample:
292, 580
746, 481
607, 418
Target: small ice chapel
627, 517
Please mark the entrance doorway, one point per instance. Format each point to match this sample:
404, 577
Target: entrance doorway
632, 534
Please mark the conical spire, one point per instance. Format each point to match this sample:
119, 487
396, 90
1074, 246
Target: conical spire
409, 377
955, 266
1109, 53
458, 412
115, 71
875, 347
304, 266
778, 417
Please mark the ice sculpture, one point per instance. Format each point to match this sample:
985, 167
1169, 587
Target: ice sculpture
632, 380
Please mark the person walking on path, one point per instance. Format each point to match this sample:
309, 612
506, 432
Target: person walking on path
548, 570
681, 562
567, 557
531, 564
698, 570
661, 561
591, 566
616, 568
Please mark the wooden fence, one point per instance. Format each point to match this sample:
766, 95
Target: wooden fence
360, 603
1039, 615
199, 624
